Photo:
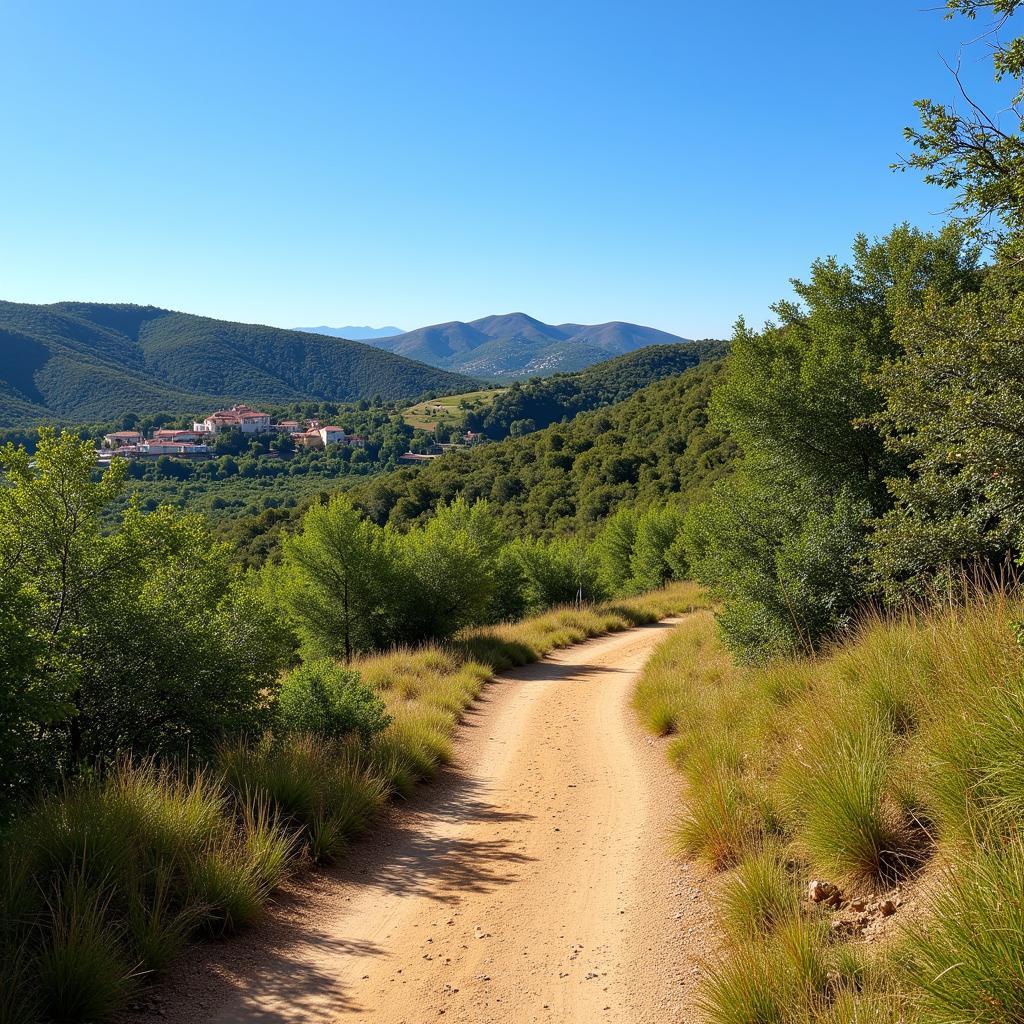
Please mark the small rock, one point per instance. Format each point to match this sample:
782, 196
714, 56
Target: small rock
824, 892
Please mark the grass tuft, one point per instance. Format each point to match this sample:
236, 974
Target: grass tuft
969, 960
839, 785
761, 895
83, 970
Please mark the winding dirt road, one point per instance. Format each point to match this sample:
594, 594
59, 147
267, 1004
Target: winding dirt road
531, 882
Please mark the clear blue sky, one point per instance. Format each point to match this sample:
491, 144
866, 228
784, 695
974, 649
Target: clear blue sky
407, 162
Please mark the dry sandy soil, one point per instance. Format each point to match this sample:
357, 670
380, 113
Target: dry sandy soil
532, 881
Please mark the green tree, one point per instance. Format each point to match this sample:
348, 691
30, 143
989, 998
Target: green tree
50, 538
656, 531
798, 398
28, 706
955, 410
337, 581
781, 559
615, 548
142, 637
561, 571
450, 564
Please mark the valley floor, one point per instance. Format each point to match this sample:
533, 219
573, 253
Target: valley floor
532, 881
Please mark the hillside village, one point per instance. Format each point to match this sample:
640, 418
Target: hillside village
194, 443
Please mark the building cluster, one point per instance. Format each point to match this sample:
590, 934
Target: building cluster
193, 444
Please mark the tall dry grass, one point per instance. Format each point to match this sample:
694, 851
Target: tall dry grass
860, 766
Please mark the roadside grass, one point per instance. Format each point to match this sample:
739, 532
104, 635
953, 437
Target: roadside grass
320, 790
900, 747
762, 894
519, 643
104, 883
968, 961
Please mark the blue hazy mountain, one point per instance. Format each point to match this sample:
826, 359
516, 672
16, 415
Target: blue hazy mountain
518, 345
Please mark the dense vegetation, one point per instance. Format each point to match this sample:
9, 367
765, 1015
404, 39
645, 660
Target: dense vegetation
78, 362
889, 771
257, 487
175, 733
571, 476
538, 403
878, 418
851, 735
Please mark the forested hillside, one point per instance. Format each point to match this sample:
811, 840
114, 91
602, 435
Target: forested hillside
570, 476
545, 400
86, 362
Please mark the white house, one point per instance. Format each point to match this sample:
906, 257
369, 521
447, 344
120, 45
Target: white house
331, 435
238, 417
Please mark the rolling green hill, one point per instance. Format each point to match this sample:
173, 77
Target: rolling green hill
569, 476
84, 362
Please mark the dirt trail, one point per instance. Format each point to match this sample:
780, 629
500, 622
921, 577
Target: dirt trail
531, 882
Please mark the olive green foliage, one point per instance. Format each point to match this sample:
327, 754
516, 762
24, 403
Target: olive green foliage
323, 699
560, 571
146, 638
337, 580
350, 586
641, 549
953, 402
546, 400
955, 409
450, 564
784, 541
569, 477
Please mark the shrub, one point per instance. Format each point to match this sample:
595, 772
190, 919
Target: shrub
323, 699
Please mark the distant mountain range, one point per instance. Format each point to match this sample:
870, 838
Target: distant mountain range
90, 362
353, 333
517, 345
